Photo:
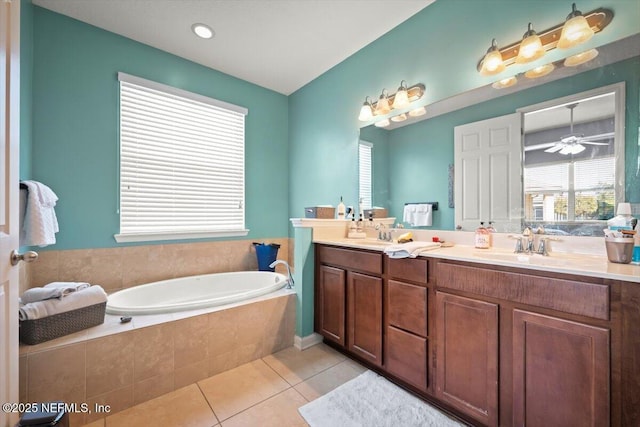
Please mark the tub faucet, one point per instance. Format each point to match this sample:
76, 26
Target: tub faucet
290, 281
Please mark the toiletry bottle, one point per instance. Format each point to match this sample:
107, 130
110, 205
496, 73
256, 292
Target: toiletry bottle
352, 225
341, 209
483, 237
360, 223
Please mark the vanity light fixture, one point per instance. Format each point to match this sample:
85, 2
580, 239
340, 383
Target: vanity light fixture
399, 118
387, 102
530, 47
382, 123
540, 71
417, 112
504, 83
580, 58
202, 30
568, 34
575, 30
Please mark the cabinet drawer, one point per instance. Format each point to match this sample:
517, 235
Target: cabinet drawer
407, 357
407, 307
569, 296
411, 269
350, 259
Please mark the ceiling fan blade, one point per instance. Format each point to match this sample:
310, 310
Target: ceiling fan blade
594, 143
599, 137
539, 146
555, 148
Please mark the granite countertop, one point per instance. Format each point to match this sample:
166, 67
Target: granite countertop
579, 264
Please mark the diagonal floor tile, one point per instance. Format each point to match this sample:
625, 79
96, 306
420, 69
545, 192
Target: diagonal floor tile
185, 407
279, 410
326, 381
296, 366
233, 391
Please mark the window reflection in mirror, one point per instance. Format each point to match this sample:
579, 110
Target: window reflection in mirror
571, 161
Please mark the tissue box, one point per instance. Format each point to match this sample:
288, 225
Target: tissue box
321, 212
376, 213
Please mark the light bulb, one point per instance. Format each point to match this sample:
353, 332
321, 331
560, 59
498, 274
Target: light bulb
401, 98
530, 47
382, 106
575, 30
366, 113
492, 63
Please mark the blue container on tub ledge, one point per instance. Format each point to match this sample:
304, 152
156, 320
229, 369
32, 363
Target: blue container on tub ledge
266, 253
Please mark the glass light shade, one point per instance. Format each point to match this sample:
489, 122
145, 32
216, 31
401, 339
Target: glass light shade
383, 107
365, 112
399, 118
401, 99
382, 123
580, 58
420, 111
530, 47
492, 62
572, 149
540, 71
508, 82
576, 30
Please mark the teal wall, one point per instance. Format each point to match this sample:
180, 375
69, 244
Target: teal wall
26, 88
440, 47
422, 152
75, 127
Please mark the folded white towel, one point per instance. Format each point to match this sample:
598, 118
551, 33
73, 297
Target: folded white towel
52, 290
84, 298
410, 249
40, 221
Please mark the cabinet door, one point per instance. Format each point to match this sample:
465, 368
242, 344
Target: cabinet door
406, 357
560, 372
331, 304
467, 356
365, 317
407, 307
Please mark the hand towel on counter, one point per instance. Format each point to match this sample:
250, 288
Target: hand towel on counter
86, 297
52, 290
40, 221
409, 250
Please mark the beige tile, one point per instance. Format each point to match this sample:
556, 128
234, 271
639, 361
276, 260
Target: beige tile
109, 403
98, 423
326, 381
146, 264
76, 337
153, 387
191, 374
280, 329
45, 270
191, 341
57, 375
222, 362
222, 333
97, 266
153, 351
22, 375
277, 411
109, 363
184, 407
112, 325
233, 391
296, 366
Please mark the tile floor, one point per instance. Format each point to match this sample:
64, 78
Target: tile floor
265, 392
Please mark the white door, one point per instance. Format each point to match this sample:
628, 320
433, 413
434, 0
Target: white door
9, 188
488, 173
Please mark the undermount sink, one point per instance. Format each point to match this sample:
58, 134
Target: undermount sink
553, 259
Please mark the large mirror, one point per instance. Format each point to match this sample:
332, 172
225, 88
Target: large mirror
415, 163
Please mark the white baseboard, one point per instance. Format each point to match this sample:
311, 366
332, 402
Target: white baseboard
302, 343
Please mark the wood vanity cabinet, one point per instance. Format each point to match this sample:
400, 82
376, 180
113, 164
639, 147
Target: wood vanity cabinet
349, 300
547, 339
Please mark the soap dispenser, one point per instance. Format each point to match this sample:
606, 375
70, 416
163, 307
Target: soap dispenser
483, 237
341, 209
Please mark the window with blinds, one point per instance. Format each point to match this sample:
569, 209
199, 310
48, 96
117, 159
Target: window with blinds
181, 164
365, 160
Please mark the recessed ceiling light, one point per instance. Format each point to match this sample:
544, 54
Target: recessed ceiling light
202, 31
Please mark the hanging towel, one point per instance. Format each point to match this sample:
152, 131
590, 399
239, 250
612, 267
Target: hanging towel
422, 215
84, 298
409, 211
409, 250
40, 222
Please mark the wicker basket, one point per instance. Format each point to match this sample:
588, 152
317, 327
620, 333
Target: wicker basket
321, 212
47, 328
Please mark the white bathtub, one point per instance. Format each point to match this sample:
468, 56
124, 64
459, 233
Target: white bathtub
188, 293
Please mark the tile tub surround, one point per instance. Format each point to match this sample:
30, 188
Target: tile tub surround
119, 268
149, 359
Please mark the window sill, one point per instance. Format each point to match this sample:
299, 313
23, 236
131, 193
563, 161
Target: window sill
153, 237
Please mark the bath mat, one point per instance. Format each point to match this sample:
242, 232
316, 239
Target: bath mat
371, 400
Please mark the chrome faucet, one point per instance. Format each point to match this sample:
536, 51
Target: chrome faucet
527, 233
290, 281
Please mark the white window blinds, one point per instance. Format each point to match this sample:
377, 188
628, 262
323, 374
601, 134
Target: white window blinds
365, 160
181, 163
